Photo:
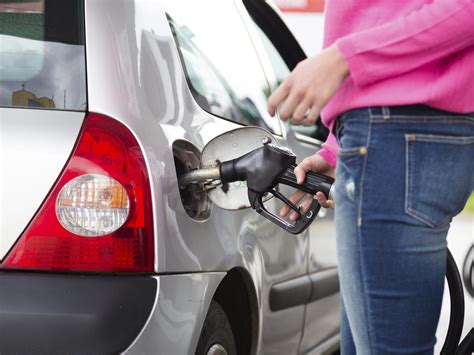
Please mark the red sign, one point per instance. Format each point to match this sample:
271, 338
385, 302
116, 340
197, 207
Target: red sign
300, 5
20, 7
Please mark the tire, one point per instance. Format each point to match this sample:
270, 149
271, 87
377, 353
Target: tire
217, 337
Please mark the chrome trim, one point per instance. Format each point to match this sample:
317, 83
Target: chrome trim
331, 191
217, 349
306, 139
198, 175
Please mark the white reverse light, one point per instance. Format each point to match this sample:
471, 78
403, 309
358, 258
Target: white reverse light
92, 205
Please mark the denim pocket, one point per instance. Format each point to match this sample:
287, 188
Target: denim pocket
438, 176
349, 167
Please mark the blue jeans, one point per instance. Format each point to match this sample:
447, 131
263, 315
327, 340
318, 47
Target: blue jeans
402, 174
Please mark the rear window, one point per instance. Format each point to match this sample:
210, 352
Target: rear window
42, 54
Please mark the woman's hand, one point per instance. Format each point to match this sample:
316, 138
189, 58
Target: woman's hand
309, 87
313, 163
305, 92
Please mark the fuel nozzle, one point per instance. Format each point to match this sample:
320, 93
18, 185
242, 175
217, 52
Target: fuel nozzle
264, 169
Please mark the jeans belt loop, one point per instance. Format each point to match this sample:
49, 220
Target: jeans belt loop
385, 112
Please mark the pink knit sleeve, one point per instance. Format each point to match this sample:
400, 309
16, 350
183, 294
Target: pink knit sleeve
329, 150
435, 31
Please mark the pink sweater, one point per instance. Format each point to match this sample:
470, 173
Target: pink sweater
401, 52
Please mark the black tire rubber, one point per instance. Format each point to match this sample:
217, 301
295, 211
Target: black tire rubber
216, 330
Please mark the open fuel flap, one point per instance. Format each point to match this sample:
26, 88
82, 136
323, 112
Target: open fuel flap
242, 168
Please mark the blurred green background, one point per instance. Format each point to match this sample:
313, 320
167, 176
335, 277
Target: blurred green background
470, 204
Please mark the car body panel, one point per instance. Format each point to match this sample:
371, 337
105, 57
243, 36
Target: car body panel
34, 147
175, 323
137, 78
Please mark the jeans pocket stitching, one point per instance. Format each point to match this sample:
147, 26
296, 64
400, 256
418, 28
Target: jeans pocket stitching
409, 168
431, 138
421, 217
409, 161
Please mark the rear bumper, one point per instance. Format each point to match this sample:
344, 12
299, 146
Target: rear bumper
57, 314
72, 314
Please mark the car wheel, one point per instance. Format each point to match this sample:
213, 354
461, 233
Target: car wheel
216, 336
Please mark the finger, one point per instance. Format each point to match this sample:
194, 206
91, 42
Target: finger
312, 116
306, 204
284, 210
323, 201
304, 207
277, 98
301, 170
293, 216
300, 112
330, 204
289, 106
294, 198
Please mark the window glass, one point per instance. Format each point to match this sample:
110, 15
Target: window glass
279, 66
42, 61
221, 66
281, 71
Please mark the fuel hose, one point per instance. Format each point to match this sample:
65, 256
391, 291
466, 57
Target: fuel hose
456, 318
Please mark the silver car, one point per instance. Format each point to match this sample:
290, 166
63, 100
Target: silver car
103, 104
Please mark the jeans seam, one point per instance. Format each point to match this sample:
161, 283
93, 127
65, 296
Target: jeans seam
422, 217
432, 138
359, 228
407, 173
407, 119
426, 117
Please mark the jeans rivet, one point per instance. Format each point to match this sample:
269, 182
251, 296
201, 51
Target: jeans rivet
362, 150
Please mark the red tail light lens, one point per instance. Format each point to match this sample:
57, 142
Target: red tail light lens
105, 148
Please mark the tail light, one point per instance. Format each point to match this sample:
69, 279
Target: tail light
98, 217
92, 205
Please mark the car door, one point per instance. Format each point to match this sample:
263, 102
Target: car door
227, 81
282, 52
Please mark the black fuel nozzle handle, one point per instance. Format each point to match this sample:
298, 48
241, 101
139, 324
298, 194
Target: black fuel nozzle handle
312, 184
259, 168
266, 167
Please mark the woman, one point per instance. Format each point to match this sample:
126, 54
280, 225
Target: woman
395, 85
